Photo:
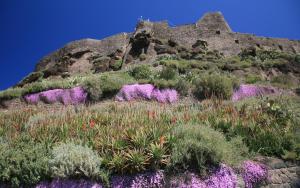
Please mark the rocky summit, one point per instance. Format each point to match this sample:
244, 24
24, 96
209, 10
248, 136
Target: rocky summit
152, 39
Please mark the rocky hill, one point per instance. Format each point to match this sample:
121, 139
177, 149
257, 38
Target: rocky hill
192, 106
153, 39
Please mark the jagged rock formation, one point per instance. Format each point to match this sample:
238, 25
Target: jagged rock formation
152, 39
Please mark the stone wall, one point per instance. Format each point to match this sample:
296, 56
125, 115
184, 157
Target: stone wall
281, 174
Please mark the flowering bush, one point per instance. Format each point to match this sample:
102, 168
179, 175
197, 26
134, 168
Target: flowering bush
253, 173
66, 96
147, 92
245, 91
145, 180
69, 183
223, 177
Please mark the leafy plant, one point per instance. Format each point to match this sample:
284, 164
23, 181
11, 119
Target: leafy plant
168, 73
207, 86
183, 87
252, 78
158, 156
23, 163
117, 65
71, 160
93, 88
136, 160
199, 148
141, 72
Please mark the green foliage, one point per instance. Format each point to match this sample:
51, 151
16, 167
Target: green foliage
168, 73
112, 83
10, 93
297, 58
138, 150
271, 55
23, 163
271, 132
252, 78
93, 88
158, 155
141, 72
183, 87
214, 85
199, 147
162, 83
105, 85
32, 77
143, 57
70, 160
234, 63
283, 80
117, 65
136, 160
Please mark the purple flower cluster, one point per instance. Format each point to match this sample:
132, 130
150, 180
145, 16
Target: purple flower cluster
253, 173
247, 90
146, 92
69, 184
224, 177
145, 180
75, 95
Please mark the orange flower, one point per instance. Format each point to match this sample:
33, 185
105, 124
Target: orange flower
83, 127
151, 114
162, 140
92, 123
17, 127
174, 120
186, 117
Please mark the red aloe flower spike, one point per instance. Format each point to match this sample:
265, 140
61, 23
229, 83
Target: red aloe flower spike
92, 123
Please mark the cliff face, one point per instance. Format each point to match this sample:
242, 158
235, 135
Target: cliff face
151, 39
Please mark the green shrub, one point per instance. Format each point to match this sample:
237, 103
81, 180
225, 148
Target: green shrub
271, 55
143, 57
235, 63
283, 80
11, 93
117, 65
136, 160
252, 78
141, 72
105, 85
70, 160
162, 83
168, 73
199, 147
182, 87
297, 58
32, 77
93, 87
23, 163
272, 130
214, 85
112, 83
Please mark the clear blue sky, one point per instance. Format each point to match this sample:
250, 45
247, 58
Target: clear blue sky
31, 29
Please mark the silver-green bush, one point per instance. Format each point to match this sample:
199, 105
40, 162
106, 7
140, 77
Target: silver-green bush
71, 160
199, 148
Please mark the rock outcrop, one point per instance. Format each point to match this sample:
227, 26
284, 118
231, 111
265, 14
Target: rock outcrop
152, 39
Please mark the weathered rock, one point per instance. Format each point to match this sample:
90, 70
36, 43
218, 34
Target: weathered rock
164, 49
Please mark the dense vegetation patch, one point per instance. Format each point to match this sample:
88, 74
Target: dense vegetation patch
128, 139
